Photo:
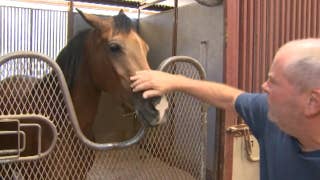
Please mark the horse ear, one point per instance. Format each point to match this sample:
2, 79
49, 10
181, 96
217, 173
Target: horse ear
121, 12
91, 19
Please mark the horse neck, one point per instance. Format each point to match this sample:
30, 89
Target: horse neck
85, 98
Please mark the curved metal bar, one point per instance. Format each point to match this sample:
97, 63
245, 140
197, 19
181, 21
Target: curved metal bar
204, 107
167, 62
209, 3
70, 107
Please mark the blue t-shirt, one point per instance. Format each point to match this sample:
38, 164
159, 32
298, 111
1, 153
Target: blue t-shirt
280, 155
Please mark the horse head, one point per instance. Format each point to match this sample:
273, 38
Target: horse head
115, 52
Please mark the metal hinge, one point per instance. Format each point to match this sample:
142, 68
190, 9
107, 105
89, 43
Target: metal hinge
240, 130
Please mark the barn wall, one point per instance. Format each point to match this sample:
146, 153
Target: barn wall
37, 30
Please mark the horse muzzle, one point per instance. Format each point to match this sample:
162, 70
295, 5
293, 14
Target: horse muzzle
150, 111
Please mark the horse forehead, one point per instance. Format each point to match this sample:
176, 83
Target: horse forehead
132, 40
135, 37
137, 41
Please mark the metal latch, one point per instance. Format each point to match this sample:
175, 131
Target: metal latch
26, 137
243, 130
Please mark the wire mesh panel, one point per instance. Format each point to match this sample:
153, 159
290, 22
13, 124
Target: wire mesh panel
175, 150
37, 91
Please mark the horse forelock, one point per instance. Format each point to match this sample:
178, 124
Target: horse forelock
122, 23
71, 56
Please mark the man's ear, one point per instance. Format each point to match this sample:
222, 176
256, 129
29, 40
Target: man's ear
313, 106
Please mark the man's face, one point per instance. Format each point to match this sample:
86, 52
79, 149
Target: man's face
284, 99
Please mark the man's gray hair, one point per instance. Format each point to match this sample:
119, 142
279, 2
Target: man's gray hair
304, 73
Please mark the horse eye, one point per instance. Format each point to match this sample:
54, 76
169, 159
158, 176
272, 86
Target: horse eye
114, 47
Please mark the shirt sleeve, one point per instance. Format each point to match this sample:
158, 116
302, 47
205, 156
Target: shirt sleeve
253, 108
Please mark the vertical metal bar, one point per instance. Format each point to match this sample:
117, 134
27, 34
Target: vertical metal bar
318, 19
45, 33
298, 33
278, 18
11, 39
5, 37
54, 33
41, 29
70, 20
314, 18
48, 49
293, 16
39, 139
258, 36
61, 30
175, 29
270, 43
19, 44
264, 43
58, 36
2, 30
308, 18
303, 19
250, 47
35, 35
19, 139
138, 20
15, 32
288, 21
204, 54
51, 33
14, 29
243, 40
282, 23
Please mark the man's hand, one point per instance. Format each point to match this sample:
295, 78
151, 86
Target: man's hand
153, 83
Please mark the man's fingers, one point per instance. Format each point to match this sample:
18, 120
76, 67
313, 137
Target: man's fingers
141, 81
141, 86
151, 93
134, 78
136, 83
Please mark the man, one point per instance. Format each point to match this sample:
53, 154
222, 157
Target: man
285, 119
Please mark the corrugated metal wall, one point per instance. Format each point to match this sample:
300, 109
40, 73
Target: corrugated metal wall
255, 29
25, 29
265, 25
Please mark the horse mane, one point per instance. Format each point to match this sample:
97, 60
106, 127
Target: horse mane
71, 56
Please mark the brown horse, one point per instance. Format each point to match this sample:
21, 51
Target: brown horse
97, 60
112, 52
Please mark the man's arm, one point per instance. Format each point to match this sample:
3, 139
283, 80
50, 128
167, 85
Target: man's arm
157, 83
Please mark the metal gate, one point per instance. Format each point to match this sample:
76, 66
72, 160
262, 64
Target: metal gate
175, 150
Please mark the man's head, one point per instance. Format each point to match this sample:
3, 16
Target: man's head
293, 86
